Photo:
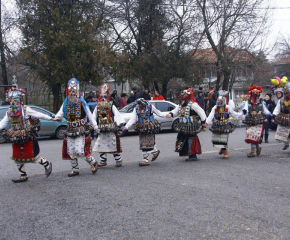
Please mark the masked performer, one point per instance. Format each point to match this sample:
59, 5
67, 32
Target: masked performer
282, 116
277, 89
109, 122
191, 120
256, 117
147, 126
77, 142
221, 123
23, 132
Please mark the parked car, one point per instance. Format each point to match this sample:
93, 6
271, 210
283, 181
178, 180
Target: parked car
48, 128
163, 106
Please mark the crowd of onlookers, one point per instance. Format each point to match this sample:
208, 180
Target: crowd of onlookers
124, 99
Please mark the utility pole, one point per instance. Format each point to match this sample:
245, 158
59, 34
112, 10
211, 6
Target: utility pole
3, 60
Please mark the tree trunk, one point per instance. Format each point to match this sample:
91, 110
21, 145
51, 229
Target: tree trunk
227, 74
56, 97
164, 89
3, 60
156, 86
218, 81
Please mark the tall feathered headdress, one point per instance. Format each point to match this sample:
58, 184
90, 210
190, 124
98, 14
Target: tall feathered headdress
104, 92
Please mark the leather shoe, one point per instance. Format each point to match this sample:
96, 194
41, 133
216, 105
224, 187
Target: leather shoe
119, 163
102, 164
73, 174
155, 155
48, 170
94, 167
285, 147
21, 179
143, 163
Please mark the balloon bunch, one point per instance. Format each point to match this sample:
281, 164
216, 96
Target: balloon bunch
280, 82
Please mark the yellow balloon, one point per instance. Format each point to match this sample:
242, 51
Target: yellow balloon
275, 82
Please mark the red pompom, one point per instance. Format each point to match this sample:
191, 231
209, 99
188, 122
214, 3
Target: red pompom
259, 88
254, 86
250, 88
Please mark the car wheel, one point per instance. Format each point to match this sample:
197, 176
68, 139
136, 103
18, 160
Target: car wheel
59, 133
2, 139
175, 125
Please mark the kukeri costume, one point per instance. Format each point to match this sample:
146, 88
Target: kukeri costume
77, 141
147, 126
277, 88
23, 132
281, 114
221, 123
191, 119
255, 120
109, 121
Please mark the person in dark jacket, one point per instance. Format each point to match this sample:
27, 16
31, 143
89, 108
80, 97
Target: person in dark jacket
131, 98
146, 94
137, 95
200, 99
116, 99
6, 102
271, 106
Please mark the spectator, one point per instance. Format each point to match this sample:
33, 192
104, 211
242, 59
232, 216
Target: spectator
89, 98
123, 102
279, 94
146, 94
200, 99
131, 98
157, 96
212, 98
6, 102
136, 93
94, 102
271, 106
115, 98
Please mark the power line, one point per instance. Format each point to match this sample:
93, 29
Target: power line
196, 6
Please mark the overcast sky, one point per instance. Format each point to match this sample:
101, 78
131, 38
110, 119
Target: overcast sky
280, 19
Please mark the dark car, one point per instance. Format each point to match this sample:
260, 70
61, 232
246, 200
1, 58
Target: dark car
48, 128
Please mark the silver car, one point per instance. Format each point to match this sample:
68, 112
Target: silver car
163, 106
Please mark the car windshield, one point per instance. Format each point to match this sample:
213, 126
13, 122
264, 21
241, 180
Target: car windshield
128, 108
3, 112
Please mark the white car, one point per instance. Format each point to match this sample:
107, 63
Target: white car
163, 106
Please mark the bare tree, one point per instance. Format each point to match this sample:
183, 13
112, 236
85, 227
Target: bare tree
231, 27
3, 58
158, 36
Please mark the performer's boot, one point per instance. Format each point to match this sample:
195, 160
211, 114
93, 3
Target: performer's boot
103, 161
226, 154
23, 177
155, 154
221, 151
258, 150
192, 157
145, 161
252, 153
94, 164
47, 165
118, 159
75, 168
286, 145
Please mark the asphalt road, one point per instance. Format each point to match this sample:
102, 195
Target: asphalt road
238, 198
